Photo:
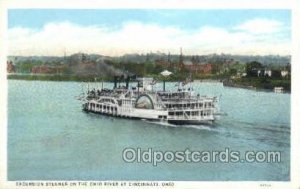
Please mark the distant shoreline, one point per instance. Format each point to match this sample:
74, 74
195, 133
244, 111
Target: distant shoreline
71, 77
252, 86
76, 78
54, 77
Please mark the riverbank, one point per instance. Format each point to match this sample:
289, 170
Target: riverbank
54, 77
93, 78
256, 83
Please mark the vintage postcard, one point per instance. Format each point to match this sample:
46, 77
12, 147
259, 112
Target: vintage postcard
131, 95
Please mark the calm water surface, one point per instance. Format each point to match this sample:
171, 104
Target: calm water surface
51, 138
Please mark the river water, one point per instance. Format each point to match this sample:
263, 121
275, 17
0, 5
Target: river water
51, 138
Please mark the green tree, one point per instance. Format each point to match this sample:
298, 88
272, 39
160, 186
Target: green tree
252, 67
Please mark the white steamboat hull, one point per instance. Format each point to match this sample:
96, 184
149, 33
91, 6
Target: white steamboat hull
147, 114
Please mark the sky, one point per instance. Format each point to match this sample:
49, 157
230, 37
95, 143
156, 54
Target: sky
114, 32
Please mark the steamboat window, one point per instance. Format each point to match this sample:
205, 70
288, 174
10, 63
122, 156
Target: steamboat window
179, 113
171, 113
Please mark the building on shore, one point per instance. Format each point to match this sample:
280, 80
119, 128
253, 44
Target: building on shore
284, 73
198, 68
10, 67
44, 69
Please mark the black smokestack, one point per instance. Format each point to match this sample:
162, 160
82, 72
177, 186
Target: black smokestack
115, 82
127, 81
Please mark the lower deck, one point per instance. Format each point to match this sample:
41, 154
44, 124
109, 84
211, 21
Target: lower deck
179, 116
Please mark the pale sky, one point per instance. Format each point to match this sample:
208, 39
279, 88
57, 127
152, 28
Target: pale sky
120, 31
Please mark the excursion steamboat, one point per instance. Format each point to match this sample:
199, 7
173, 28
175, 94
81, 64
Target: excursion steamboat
181, 106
